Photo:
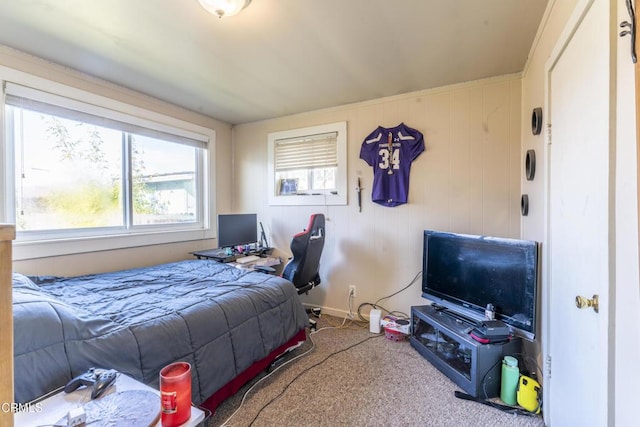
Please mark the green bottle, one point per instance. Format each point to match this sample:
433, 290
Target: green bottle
509, 380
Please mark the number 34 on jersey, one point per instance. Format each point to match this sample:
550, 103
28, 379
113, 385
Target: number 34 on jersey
390, 151
389, 157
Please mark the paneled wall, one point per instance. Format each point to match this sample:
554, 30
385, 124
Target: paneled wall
467, 180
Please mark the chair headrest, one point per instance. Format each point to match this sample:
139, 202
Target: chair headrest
315, 228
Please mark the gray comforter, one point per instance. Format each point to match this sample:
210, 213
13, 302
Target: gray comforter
214, 316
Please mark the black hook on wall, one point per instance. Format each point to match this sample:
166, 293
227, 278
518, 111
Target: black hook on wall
631, 25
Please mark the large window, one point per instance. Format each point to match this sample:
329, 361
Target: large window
308, 166
80, 170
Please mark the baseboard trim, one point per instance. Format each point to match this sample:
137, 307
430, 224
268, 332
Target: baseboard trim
336, 312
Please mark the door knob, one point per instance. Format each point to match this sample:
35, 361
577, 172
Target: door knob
582, 302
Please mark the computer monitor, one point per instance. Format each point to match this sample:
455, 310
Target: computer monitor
237, 229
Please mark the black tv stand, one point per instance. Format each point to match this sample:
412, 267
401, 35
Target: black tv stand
442, 337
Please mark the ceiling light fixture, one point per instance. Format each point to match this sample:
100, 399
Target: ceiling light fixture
224, 7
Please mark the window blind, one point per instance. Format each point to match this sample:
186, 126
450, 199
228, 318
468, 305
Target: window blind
309, 152
47, 103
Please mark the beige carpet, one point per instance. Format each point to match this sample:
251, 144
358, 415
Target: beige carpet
354, 378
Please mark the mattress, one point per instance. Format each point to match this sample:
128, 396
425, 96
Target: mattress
218, 318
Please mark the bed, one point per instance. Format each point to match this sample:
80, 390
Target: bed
226, 322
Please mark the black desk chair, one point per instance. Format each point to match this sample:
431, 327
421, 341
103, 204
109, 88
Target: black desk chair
306, 248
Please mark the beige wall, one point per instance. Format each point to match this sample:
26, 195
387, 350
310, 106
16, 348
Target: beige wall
467, 180
533, 95
133, 257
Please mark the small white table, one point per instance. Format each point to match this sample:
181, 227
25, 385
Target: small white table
56, 407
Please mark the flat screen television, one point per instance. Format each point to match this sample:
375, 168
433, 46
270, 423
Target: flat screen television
463, 273
237, 230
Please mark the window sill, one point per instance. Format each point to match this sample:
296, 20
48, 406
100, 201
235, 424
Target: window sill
48, 248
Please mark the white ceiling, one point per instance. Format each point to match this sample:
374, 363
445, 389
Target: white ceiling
277, 57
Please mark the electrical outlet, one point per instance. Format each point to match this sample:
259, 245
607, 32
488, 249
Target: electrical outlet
352, 290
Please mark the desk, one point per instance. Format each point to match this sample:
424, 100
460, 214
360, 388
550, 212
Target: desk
224, 255
218, 255
56, 407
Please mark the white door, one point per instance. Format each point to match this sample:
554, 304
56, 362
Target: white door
578, 256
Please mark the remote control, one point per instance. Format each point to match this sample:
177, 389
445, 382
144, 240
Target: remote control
98, 379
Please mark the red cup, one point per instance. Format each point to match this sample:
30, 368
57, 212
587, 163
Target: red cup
175, 394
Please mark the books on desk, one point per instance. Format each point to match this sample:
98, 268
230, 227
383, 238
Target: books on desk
247, 259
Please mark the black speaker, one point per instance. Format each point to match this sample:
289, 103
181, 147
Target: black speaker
536, 121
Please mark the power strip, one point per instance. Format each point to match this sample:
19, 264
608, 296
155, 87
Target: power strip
352, 295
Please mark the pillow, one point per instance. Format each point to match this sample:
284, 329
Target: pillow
20, 281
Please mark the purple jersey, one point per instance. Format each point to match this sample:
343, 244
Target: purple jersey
390, 153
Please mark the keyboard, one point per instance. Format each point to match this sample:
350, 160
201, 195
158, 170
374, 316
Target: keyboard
219, 255
247, 259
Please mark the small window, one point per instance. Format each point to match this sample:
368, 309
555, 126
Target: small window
308, 166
